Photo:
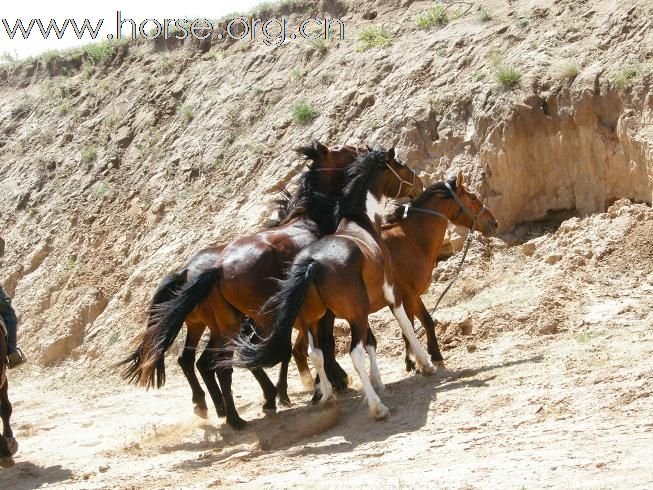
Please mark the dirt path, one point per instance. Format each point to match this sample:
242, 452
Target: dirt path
548, 346
560, 411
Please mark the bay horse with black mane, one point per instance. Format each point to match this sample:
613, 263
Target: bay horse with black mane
238, 283
360, 269
413, 260
8, 445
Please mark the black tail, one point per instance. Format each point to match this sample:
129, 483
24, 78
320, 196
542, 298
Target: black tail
169, 309
287, 302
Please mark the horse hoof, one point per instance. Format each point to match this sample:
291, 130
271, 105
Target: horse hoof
341, 384
270, 407
427, 370
410, 365
307, 382
317, 397
237, 424
379, 412
284, 401
379, 387
7, 462
201, 412
438, 362
12, 444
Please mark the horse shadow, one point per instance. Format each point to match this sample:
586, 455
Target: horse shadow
340, 426
27, 476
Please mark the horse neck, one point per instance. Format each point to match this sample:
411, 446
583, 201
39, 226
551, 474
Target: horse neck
427, 231
375, 207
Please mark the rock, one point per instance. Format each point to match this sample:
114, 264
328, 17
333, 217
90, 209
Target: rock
123, 137
553, 259
528, 248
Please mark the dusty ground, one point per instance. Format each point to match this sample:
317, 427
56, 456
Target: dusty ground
524, 403
114, 173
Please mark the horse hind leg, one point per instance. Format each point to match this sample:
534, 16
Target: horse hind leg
317, 358
300, 354
375, 374
186, 361
206, 367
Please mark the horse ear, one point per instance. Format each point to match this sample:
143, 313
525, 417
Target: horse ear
460, 179
321, 148
391, 153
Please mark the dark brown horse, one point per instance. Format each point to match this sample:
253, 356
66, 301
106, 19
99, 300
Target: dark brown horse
8, 445
238, 283
361, 269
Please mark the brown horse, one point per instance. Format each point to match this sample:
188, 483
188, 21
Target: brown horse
236, 286
413, 263
361, 269
8, 445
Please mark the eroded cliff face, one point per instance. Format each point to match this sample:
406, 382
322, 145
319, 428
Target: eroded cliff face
114, 175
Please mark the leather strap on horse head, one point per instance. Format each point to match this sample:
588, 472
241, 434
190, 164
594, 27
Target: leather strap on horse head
468, 241
402, 181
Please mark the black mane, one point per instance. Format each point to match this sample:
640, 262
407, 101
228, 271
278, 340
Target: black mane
306, 201
359, 173
439, 189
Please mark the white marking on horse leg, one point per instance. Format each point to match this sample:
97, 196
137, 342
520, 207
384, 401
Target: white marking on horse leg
407, 328
317, 358
377, 409
388, 293
375, 374
374, 208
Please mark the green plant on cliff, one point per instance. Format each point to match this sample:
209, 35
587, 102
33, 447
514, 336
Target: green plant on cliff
373, 37
507, 76
436, 16
303, 113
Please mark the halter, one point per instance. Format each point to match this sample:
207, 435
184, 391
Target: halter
401, 181
468, 240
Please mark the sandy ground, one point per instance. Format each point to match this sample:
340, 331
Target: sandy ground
562, 411
548, 384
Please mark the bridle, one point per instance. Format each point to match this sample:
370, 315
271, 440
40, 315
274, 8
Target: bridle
468, 240
402, 181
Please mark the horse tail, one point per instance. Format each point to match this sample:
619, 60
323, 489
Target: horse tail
287, 302
145, 366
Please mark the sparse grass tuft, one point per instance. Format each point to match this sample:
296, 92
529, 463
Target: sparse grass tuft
99, 53
100, 190
436, 16
522, 22
7, 57
495, 58
114, 337
484, 15
319, 45
507, 76
584, 337
49, 55
89, 154
187, 113
165, 62
297, 74
566, 70
626, 76
373, 37
303, 113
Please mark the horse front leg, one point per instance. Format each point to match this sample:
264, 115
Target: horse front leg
427, 322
